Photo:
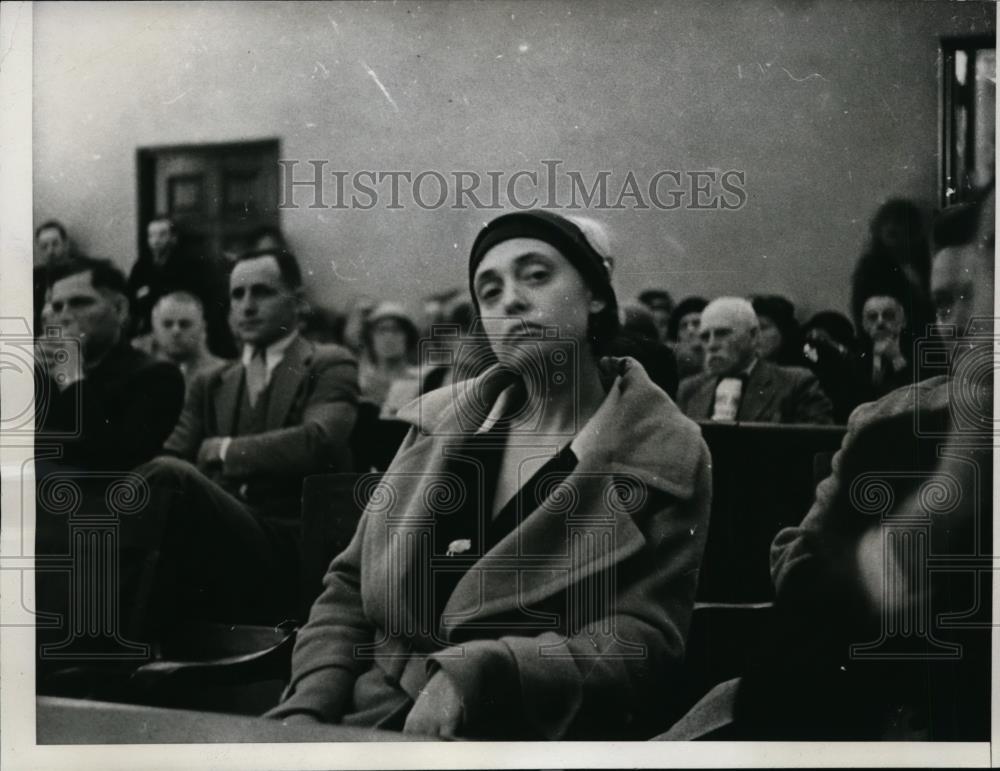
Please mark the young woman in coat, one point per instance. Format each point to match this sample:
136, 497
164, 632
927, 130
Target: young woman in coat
526, 569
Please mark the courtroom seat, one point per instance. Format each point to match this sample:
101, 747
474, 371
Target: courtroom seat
722, 639
763, 479
374, 440
332, 505
216, 671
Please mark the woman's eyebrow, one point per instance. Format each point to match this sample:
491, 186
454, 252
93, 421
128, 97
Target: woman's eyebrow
491, 274
529, 257
487, 275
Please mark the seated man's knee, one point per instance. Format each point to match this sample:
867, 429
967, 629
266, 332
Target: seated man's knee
166, 469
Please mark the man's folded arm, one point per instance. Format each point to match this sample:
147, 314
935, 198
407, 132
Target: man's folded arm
321, 441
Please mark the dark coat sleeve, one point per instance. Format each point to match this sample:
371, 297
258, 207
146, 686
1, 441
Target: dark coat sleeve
807, 403
118, 425
190, 429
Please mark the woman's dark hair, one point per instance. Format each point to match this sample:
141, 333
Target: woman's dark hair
684, 307
781, 312
898, 266
908, 244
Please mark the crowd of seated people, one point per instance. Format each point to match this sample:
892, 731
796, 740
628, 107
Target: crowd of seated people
219, 386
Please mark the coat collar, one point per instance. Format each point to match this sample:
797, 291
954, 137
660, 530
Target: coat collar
625, 435
759, 393
638, 436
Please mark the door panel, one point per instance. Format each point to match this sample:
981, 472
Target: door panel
216, 194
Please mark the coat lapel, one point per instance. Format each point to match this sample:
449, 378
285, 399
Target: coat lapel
555, 548
286, 381
699, 401
759, 394
227, 398
703, 399
548, 553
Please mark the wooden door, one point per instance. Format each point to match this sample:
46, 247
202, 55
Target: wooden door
216, 194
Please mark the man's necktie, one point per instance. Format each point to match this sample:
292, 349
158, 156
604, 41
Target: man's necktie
256, 376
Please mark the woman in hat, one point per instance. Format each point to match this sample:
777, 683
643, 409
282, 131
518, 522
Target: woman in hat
526, 569
386, 373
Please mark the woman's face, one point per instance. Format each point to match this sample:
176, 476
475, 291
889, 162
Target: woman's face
687, 329
769, 338
526, 287
388, 340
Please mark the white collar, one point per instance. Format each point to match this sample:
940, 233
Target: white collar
273, 354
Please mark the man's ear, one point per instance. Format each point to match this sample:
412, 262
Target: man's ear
121, 306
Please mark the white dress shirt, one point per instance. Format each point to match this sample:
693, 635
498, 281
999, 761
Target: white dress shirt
273, 356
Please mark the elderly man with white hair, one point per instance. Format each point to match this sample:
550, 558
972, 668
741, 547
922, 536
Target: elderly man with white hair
737, 384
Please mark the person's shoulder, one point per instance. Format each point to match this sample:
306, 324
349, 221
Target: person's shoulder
206, 377
133, 363
792, 373
213, 366
930, 394
125, 357
326, 354
692, 383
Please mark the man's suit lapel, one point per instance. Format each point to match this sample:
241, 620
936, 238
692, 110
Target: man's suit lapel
703, 400
286, 381
758, 394
227, 397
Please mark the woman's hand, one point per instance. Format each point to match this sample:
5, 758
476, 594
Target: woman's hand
438, 711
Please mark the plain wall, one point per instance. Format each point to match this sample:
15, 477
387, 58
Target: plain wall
829, 107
